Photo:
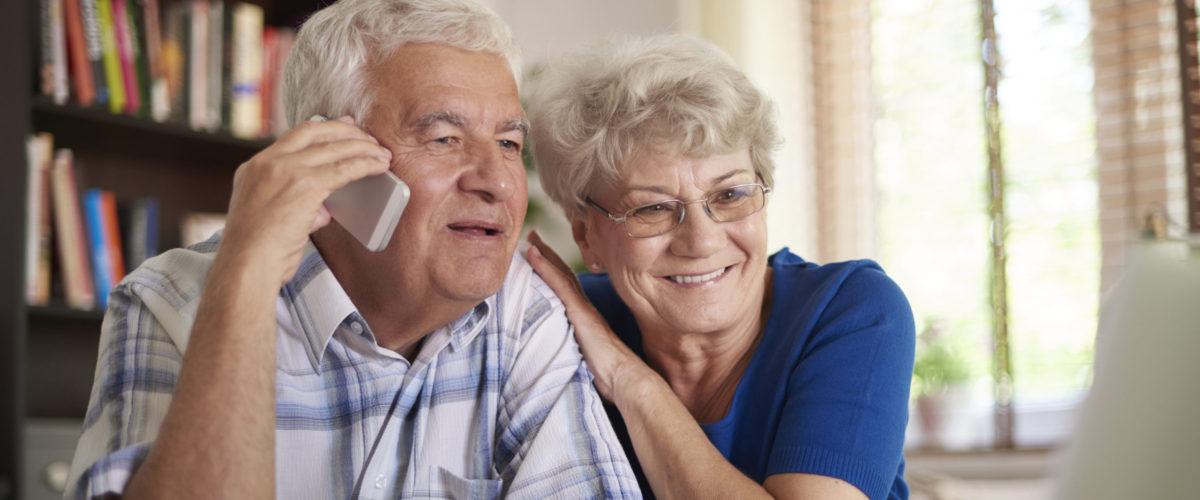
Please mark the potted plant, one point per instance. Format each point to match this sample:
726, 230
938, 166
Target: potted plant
940, 378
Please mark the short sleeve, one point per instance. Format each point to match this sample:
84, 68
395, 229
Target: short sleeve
846, 406
136, 372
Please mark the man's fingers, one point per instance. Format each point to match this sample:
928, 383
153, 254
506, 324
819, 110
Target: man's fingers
321, 220
334, 151
308, 133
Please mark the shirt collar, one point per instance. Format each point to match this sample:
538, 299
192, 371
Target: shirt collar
320, 305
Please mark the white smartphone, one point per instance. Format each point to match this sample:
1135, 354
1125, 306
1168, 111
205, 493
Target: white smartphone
369, 208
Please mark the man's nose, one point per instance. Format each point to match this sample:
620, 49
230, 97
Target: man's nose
491, 174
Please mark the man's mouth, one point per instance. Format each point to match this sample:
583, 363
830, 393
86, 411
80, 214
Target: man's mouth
476, 228
687, 279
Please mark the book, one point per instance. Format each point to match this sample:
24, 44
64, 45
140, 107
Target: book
160, 100
278, 125
112, 236
216, 64
53, 70
270, 50
102, 277
95, 48
127, 55
69, 233
112, 60
138, 219
245, 107
40, 152
80, 67
197, 64
172, 61
141, 50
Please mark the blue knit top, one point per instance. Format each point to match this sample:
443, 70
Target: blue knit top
826, 391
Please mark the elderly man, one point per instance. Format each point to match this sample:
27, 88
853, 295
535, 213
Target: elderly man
263, 363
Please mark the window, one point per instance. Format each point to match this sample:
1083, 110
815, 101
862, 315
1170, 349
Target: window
933, 200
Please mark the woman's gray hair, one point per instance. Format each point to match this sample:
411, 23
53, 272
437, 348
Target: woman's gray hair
595, 111
326, 69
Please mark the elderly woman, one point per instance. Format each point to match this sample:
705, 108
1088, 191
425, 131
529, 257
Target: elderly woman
736, 374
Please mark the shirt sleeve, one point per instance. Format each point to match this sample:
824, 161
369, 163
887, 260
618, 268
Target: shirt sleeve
136, 371
847, 395
555, 439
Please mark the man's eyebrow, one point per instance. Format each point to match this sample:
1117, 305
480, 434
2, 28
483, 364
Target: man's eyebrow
425, 121
518, 124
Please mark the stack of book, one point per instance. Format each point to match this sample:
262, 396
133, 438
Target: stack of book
211, 64
96, 237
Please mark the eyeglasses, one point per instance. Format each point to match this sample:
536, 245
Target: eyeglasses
723, 205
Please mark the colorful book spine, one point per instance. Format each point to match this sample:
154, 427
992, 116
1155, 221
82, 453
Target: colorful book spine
112, 236
102, 277
197, 64
160, 100
77, 55
95, 48
216, 64
173, 60
72, 243
54, 52
245, 107
127, 55
279, 125
141, 53
270, 43
139, 223
40, 150
112, 58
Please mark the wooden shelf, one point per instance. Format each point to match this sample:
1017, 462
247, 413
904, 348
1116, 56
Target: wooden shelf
96, 130
61, 311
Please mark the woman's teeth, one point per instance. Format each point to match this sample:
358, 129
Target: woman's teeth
697, 279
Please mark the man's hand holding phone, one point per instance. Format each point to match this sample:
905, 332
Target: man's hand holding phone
279, 195
370, 207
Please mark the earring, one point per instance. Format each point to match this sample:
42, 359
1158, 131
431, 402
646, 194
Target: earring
594, 267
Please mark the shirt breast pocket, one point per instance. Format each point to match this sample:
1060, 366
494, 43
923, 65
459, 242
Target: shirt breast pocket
458, 487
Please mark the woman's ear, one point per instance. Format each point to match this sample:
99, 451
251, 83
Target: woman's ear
580, 230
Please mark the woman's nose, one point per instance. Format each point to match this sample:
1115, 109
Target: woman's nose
698, 235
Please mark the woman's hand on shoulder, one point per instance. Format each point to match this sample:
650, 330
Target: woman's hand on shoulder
614, 365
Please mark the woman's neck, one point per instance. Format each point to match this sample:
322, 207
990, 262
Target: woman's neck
704, 368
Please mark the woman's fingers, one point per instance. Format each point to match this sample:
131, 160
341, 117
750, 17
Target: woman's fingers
553, 269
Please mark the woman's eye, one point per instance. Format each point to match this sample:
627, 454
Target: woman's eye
651, 210
729, 195
445, 140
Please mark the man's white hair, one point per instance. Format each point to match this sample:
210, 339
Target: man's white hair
326, 70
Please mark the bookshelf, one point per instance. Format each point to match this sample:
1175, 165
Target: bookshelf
48, 353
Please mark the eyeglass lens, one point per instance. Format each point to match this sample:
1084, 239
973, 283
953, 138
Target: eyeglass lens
724, 205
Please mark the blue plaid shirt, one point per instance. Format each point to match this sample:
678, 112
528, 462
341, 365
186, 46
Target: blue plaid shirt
497, 403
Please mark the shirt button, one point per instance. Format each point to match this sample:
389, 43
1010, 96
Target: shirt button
356, 326
379, 482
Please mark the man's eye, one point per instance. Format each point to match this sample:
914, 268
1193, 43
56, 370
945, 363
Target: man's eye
446, 140
513, 145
